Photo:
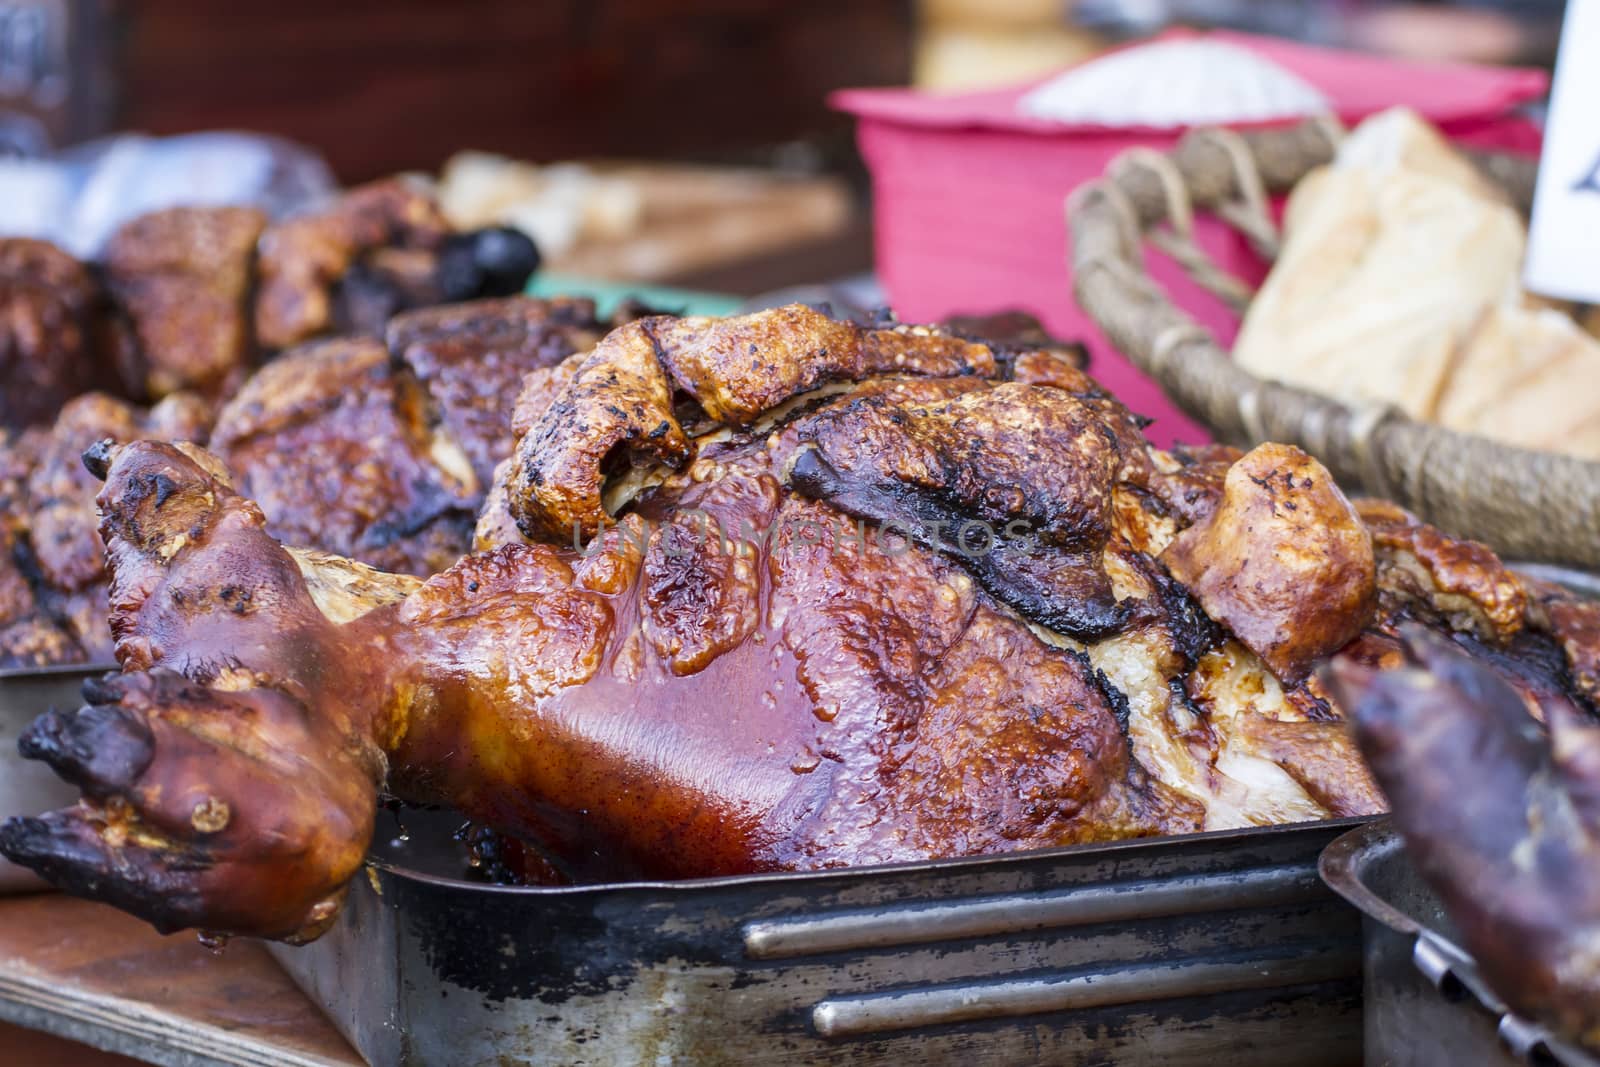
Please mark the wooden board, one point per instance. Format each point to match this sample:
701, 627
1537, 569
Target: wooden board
704, 219
92, 974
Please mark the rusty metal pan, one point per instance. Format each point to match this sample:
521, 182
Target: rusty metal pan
27, 788
1173, 951
1426, 1003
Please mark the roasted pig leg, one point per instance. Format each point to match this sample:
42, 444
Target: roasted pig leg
754, 594
634, 710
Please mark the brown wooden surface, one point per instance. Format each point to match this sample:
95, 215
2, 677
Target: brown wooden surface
382, 85
66, 964
700, 220
36, 1049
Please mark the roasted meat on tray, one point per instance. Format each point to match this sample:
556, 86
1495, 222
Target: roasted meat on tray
191, 298
383, 453
1498, 799
755, 594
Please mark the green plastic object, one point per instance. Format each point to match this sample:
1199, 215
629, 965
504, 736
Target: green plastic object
607, 295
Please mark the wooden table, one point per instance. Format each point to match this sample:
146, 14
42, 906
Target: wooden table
90, 974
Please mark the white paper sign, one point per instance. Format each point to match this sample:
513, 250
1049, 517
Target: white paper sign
1564, 241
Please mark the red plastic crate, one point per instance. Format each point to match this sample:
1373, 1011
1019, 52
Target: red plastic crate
969, 194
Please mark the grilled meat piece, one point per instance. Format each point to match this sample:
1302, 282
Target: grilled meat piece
375, 251
385, 454
737, 672
56, 339
30, 634
1500, 813
339, 450
184, 276
180, 307
52, 563
472, 357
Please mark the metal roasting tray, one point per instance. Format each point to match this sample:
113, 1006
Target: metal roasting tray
1426, 1003
1175, 950
26, 787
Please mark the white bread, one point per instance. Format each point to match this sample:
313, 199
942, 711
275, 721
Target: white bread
1383, 275
1525, 376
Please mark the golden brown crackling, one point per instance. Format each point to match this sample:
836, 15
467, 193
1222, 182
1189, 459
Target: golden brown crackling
1462, 581
620, 401
737, 368
540, 388
617, 398
184, 276
1035, 504
1284, 562
303, 258
610, 563
1047, 458
1007, 709
700, 590
1060, 370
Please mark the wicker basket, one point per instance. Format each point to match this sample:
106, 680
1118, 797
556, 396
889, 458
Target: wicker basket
1528, 505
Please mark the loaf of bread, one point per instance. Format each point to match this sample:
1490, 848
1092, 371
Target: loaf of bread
1524, 376
1398, 285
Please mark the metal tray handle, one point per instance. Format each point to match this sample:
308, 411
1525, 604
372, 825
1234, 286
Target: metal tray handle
891, 927
854, 1017
1455, 975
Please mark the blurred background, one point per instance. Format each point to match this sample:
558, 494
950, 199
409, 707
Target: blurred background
379, 86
